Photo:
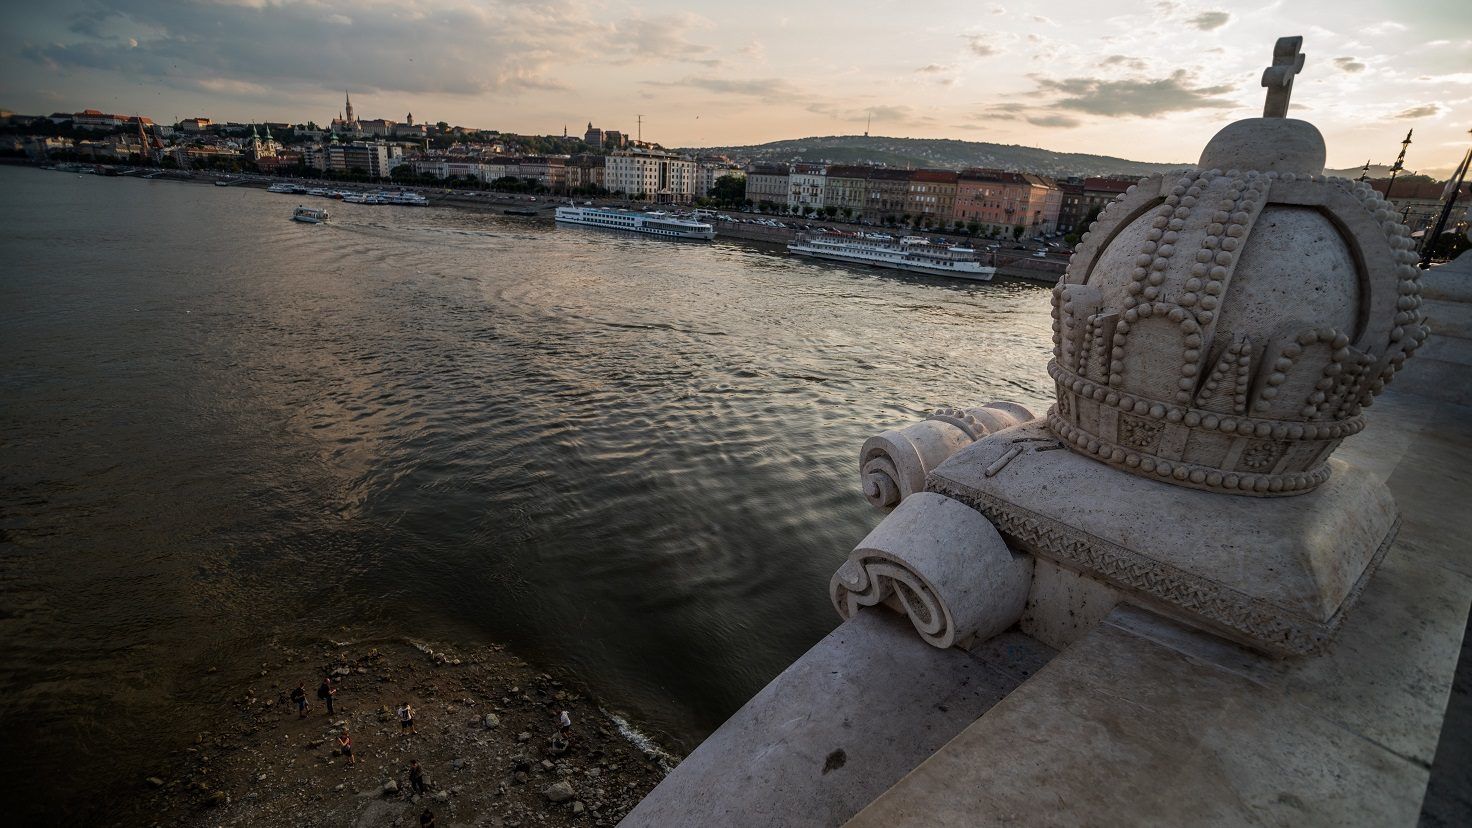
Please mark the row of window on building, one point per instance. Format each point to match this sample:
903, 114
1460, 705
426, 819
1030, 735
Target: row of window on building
992, 200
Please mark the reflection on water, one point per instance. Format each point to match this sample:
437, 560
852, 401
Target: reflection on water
632, 461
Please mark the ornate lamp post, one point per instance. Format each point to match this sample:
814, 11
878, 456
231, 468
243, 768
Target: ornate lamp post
1400, 163
1449, 200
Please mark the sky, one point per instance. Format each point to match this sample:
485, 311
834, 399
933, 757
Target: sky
1149, 80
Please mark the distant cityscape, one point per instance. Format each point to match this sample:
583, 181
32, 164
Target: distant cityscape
607, 162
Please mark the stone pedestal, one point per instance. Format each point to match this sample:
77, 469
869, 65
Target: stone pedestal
1275, 574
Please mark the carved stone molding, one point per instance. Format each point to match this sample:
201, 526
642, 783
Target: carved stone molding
1277, 575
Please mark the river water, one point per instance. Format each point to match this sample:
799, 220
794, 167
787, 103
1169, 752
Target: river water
632, 461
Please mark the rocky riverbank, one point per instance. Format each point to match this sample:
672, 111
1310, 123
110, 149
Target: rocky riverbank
487, 727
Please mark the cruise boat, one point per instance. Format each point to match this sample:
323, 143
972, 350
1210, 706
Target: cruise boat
405, 197
911, 253
655, 224
309, 215
362, 198
286, 187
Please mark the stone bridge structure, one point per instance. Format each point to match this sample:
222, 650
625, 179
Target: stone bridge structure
1222, 580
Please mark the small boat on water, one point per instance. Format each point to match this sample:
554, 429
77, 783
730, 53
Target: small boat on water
309, 215
655, 224
910, 253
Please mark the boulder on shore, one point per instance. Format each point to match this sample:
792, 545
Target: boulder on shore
559, 792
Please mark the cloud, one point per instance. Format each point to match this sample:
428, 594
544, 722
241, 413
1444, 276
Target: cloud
1018, 111
882, 115
666, 37
754, 50
1384, 27
1055, 120
1206, 21
456, 47
936, 73
1430, 110
1125, 61
899, 114
1005, 111
1349, 64
1134, 97
980, 46
774, 89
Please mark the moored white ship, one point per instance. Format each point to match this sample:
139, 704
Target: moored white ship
405, 197
911, 253
655, 224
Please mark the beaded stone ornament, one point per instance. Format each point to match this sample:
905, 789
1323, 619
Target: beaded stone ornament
1224, 328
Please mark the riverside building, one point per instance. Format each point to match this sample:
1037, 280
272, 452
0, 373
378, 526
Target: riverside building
766, 184
844, 186
708, 173
886, 194
805, 186
1081, 202
376, 160
585, 170
1007, 203
932, 196
650, 175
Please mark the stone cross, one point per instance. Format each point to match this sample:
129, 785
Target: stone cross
1278, 78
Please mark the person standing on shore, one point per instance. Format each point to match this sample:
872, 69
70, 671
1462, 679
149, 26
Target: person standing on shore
325, 692
416, 778
299, 696
345, 742
406, 719
564, 725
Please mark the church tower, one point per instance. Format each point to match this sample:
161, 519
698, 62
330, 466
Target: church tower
348, 107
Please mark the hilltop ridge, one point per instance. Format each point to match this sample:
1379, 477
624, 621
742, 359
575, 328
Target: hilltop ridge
947, 153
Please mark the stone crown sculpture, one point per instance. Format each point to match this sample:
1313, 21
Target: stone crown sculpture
1223, 328
1217, 333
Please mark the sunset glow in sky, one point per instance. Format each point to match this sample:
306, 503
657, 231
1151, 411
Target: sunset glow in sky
1149, 81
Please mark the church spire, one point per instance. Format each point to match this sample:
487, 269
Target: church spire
348, 105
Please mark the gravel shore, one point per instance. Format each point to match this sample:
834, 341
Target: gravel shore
487, 728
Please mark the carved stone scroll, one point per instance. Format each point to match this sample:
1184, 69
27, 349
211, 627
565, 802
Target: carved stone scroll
893, 464
943, 565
